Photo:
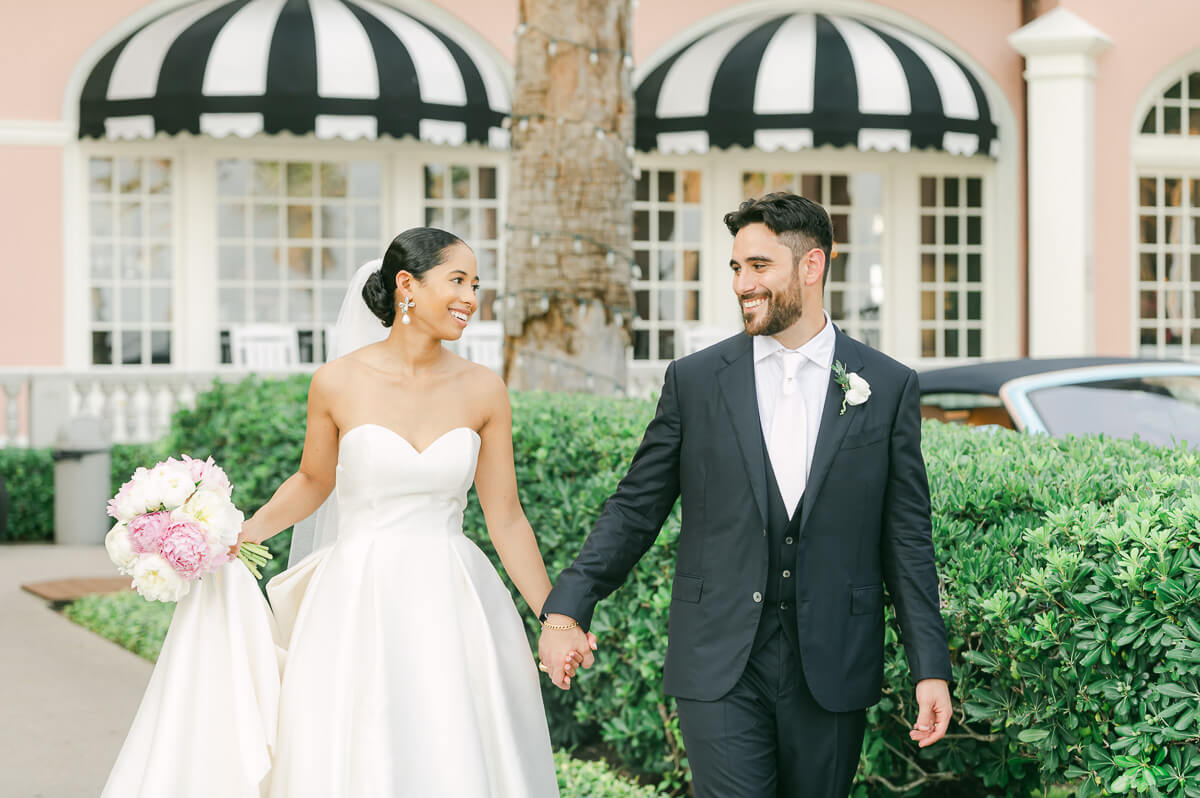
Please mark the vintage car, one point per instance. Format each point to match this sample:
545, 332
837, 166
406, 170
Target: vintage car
1155, 400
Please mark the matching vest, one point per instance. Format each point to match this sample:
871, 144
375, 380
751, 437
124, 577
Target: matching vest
783, 537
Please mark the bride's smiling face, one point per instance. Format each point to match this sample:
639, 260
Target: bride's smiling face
445, 297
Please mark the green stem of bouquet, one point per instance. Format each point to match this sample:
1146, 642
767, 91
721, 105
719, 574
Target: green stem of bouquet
254, 556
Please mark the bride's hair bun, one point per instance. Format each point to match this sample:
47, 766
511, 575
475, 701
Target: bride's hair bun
379, 299
415, 251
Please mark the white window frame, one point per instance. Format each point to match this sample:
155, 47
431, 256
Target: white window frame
77, 314
645, 279
962, 251
475, 205
196, 345
316, 201
1158, 155
1186, 249
117, 325
899, 327
195, 342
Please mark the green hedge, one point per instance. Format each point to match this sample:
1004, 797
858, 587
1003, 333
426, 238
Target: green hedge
127, 619
29, 479
581, 779
1071, 591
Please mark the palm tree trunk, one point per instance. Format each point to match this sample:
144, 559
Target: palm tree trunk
570, 198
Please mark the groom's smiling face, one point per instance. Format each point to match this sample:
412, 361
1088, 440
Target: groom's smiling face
766, 280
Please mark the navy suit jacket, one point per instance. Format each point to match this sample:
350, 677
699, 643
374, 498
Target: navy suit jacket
865, 523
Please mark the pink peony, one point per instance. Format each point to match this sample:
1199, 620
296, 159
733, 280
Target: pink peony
146, 532
185, 548
209, 474
195, 466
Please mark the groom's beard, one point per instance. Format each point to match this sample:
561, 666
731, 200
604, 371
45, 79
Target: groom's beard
783, 310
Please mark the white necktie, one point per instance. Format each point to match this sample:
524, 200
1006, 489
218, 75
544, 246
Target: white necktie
788, 447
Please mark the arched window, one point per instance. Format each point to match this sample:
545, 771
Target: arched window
1167, 217
240, 163
1176, 112
885, 127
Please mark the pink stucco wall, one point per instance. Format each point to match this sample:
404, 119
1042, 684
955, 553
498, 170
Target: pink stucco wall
31, 274
40, 45
54, 35
42, 42
1139, 54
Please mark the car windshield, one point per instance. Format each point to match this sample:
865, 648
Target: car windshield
1162, 410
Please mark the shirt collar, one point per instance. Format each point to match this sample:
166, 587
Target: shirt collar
818, 349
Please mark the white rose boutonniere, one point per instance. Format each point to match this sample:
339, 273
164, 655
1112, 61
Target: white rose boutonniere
856, 389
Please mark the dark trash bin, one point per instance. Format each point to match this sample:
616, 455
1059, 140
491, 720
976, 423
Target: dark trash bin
82, 482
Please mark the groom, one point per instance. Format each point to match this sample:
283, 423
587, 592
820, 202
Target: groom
796, 451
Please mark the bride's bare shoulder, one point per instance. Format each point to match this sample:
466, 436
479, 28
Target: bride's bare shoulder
336, 373
355, 362
485, 384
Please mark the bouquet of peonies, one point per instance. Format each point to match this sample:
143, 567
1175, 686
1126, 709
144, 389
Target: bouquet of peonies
175, 523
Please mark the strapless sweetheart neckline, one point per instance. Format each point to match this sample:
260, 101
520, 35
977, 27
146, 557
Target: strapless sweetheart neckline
395, 434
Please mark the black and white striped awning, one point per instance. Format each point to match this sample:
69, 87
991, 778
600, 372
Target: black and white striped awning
789, 82
336, 68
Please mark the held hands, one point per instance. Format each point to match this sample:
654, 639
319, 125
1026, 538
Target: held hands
933, 699
564, 650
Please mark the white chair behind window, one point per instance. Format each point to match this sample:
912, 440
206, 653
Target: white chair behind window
264, 346
483, 342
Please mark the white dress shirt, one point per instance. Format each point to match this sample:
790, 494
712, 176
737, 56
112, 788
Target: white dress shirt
812, 377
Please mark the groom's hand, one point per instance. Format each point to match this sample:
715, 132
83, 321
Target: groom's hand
933, 699
562, 651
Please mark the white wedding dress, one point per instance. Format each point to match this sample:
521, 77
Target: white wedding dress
394, 662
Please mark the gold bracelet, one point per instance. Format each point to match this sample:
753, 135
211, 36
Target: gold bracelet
557, 627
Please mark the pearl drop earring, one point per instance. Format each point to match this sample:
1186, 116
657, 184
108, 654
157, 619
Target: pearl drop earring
403, 308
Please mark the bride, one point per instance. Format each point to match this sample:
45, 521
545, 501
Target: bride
392, 661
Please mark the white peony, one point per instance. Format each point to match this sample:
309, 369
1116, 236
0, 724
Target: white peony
860, 389
120, 548
171, 483
156, 580
212, 510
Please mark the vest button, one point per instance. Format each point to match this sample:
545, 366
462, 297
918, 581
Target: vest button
786, 574
788, 540
757, 597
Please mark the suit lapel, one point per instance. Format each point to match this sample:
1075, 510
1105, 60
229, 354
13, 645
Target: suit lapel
741, 400
833, 426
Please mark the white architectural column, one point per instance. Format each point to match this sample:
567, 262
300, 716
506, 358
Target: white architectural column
1060, 52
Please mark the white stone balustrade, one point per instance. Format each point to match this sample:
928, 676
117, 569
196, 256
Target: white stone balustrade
135, 405
13, 397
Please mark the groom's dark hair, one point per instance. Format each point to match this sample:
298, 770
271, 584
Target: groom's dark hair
800, 223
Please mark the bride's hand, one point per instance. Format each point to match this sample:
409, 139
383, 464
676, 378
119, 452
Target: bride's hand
575, 658
249, 533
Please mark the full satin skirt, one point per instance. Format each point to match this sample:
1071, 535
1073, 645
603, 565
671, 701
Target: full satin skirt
391, 666
207, 722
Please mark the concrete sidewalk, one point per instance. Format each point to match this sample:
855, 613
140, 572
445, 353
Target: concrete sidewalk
67, 696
